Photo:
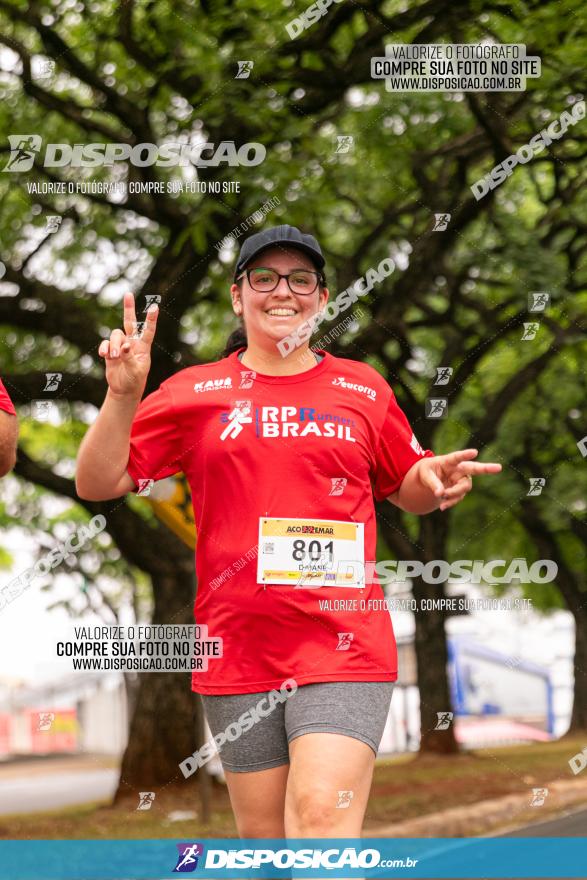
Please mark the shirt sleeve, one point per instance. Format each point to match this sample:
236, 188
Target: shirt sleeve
155, 439
5, 401
397, 451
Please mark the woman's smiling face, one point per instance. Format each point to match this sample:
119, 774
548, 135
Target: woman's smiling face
269, 316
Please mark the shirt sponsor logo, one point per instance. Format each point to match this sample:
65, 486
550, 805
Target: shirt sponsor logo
213, 385
340, 380
311, 530
285, 421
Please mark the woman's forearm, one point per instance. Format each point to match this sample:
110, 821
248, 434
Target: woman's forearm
413, 496
440, 481
103, 455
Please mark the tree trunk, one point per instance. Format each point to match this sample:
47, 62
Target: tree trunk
579, 715
431, 649
166, 723
131, 689
571, 588
430, 638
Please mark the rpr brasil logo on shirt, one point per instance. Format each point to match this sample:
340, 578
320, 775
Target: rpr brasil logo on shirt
285, 421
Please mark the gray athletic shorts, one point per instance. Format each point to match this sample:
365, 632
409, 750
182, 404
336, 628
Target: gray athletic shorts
352, 708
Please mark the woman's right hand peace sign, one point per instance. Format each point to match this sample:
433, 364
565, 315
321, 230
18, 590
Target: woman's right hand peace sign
128, 355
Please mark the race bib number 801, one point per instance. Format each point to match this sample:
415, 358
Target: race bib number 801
311, 553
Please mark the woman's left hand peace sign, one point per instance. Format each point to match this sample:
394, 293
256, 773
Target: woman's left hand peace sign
450, 476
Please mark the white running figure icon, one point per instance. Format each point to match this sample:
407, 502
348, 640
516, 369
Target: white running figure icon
240, 415
189, 856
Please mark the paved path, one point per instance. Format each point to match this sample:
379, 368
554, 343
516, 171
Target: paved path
36, 786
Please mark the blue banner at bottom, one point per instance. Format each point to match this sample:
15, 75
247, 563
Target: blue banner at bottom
554, 857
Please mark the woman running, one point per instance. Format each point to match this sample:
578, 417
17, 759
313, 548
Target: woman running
283, 455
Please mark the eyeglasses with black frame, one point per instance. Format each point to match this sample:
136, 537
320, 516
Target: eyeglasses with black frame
301, 282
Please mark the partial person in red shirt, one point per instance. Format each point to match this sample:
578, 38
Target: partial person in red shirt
284, 450
8, 432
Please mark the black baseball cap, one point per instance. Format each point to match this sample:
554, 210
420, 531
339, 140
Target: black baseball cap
278, 235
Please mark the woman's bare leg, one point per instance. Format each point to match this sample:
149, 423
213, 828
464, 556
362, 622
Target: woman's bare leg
258, 801
322, 766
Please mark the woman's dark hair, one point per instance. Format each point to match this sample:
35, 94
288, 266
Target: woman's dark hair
238, 337
236, 340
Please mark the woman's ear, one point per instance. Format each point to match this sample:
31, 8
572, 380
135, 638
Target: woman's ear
235, 293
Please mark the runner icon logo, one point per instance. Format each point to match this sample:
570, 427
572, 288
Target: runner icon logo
247, 378
146, 799
537, 302
23, 149
530, 330
344, 143
443, 375
437, 408
244, 69
52, 381
46, 719
187, 859
344, 800
537, 484
444, 719
52, 223
441, 222
539, 795
151, 299
239, 416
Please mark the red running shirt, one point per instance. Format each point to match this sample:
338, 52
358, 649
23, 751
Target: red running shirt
5, 401
301, 438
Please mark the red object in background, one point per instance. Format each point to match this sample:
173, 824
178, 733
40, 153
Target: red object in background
474, 733
4, 734
53, 730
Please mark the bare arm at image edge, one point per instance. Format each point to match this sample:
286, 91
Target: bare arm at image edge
8, 440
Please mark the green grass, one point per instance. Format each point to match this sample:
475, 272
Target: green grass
99, 821
407, 788
404, 787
